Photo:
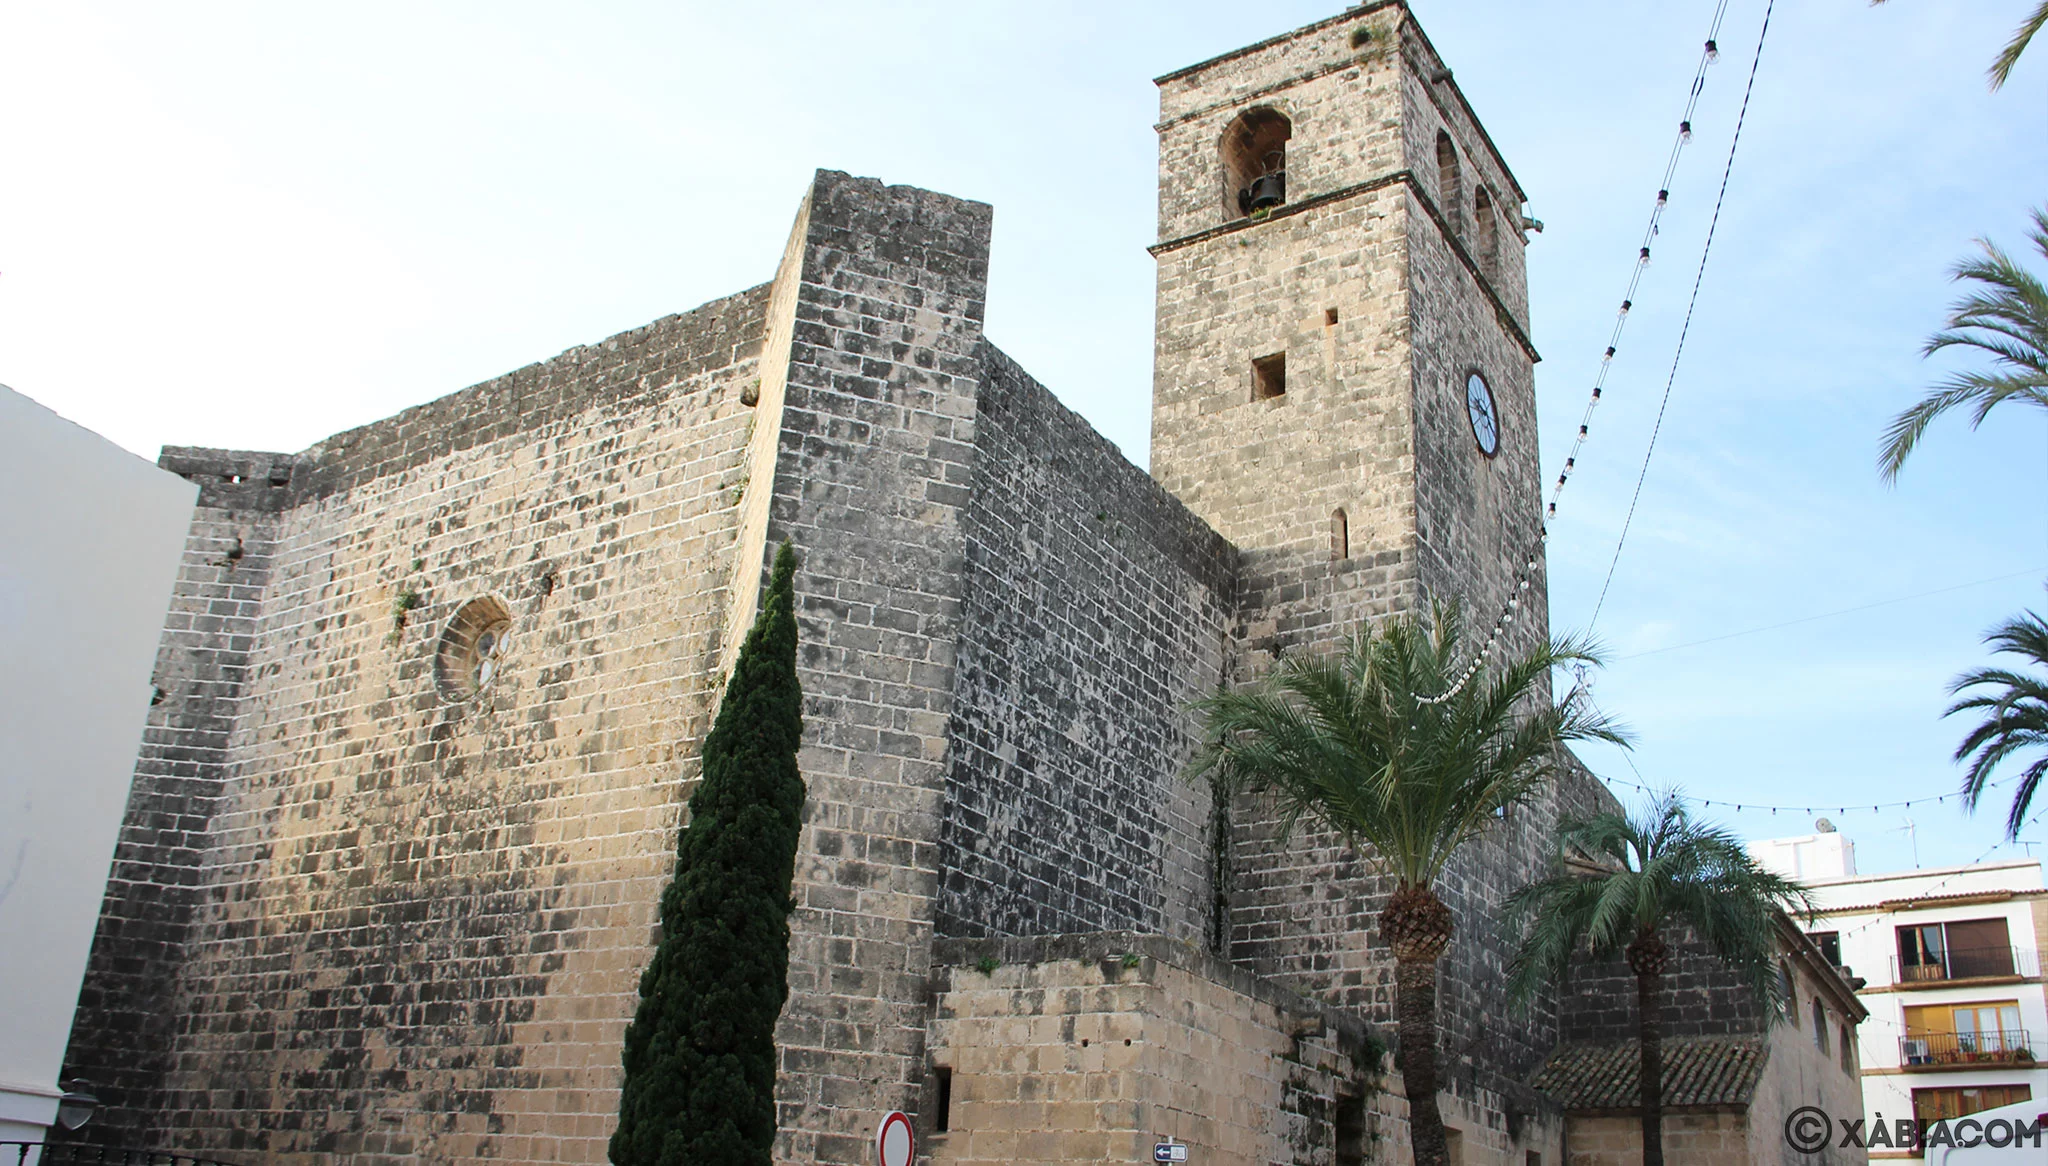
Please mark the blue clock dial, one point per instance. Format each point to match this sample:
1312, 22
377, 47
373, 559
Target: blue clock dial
1485, 419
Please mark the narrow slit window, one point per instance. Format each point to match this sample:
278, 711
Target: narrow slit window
1269, 377
1340, 535
942, 1111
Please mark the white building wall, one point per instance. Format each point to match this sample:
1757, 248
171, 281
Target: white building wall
90, 537
1826, 855
1857, 911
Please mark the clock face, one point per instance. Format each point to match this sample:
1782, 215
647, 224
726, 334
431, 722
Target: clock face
1485, 420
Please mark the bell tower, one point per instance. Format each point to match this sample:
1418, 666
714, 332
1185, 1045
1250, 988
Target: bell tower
1340, 265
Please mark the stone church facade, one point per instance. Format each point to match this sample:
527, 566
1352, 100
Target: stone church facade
431, 691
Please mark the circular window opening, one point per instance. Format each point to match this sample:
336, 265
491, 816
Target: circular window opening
471, 648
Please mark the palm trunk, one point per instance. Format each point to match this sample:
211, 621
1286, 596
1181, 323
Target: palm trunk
1652, 1025
1417, 926
1415, 1005
1647, 956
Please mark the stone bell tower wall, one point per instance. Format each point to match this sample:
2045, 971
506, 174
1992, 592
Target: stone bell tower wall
1477, 517
1318, 283
1384, 287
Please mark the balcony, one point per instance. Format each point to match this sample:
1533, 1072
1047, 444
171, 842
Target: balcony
1949, 1050
1964, 963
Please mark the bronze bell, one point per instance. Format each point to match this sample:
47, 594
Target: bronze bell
1266, 191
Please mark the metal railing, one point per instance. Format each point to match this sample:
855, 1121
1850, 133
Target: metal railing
81, 1154
1964, 963
1998, 1046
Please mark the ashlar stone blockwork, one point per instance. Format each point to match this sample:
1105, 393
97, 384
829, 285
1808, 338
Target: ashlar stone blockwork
358, 917
1097, 607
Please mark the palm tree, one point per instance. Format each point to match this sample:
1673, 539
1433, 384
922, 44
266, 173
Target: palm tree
1647, 875
1380, 745
2005, 315
2016, 720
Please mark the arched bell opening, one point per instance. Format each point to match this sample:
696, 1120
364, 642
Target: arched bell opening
1486, 228
1254, 152
1450, 182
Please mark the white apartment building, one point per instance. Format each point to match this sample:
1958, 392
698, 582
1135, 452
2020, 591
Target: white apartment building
1950, 969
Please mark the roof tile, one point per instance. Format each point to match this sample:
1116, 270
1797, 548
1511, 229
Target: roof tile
1698, 1071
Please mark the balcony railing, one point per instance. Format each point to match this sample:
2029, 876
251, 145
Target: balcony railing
1937, 1050
1965, 963
80, 1154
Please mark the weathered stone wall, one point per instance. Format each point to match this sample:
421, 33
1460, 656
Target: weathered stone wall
1431, 103
128, 1008
1382, 306
1797, 1073
1693, 1139
1268, 474
400, 926
1091, 1047
1096, 607
420, 923
1703, 997
872, 483
1341, 98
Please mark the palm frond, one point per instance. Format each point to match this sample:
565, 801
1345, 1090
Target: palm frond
1657, 868
2003, 315
1351, 740
2008, 57
2014, 721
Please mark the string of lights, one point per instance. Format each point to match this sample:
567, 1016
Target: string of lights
1532, 558
1844, 810
1684, 330
1931, 888
1642, 786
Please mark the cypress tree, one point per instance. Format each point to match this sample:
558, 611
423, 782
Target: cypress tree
700, 1053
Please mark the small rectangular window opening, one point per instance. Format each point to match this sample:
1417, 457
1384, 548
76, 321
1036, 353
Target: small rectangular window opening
1329, 317
1533, 1158
1350, 1123
942, 1120
1269, 377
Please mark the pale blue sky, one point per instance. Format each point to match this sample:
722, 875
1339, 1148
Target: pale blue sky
253, 225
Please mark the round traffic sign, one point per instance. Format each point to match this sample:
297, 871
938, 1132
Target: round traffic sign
893, 1143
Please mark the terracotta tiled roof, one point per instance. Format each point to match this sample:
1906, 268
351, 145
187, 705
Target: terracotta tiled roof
1698, 1071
